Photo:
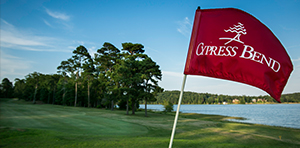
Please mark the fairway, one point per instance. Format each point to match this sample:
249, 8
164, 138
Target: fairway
23, 124
66, 119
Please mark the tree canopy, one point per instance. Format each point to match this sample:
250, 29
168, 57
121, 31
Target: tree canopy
109, 78
112, 77
207, 98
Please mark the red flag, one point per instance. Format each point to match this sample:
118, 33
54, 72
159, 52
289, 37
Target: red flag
233, 45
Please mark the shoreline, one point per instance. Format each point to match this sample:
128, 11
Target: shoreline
231, 104
265, 114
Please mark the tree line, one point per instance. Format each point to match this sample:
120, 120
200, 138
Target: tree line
206, 98
112, 77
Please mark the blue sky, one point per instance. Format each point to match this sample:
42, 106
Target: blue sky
38, 35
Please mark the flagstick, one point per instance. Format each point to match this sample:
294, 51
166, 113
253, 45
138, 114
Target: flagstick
177, 112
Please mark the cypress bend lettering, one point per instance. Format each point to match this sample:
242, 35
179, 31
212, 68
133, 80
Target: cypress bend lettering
230, 51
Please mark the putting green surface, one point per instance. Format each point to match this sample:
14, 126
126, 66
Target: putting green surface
23, 124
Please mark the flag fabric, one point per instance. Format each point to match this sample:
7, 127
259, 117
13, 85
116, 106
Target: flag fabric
233, 45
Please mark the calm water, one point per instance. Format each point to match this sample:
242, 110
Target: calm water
286, 115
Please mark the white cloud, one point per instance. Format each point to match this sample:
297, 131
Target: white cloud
47, 23
61, 20
288, 28
11, 38
6, 23
58, 15
12, 66
80, 42
146, 48
72, 47
92, 51
296, 63
14, 38
185, 27
173, 74
293, 46
295, 60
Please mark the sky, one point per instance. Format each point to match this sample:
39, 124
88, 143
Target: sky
38, 35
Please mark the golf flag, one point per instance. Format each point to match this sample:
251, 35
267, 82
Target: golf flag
233, 45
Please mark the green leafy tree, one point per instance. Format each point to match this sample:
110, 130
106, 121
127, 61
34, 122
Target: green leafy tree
150, 75
74, 66
133, 55
52, 82
19, 88
66, 90
133, 49
168, 106
7, 88
128, 75
88, 74
242, 100
68, 68
105, 59
62, 88
81, 57
33, 80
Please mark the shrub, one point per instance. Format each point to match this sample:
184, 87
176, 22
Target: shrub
169, 107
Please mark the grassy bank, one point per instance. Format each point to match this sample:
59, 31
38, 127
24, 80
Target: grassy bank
23, 124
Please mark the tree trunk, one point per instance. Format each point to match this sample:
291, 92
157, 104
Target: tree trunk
53, 96
112, 105
75, 94
35, 92
88, 93
147, 88
146, 107
48, 98
97, 102
76, 83
127, 108
133, 106
63, 96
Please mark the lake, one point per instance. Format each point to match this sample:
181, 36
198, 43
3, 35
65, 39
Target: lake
285, 115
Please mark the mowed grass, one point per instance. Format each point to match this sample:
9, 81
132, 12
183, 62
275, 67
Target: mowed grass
23, 124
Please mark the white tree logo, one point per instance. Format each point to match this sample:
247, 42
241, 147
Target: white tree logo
239, 29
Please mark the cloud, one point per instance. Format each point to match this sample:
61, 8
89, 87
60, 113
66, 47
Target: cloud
57, 15
14, 38
294, 46
61, 20
295, 63
288, 29
80, 42
295, 60
11, 38
12, 66
6, 23
47, 23
92, 51
173, 74
151, 49
185, 27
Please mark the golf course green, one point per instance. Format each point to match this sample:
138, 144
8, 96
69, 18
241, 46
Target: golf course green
23, 124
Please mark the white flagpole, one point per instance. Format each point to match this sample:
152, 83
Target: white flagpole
177, 112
